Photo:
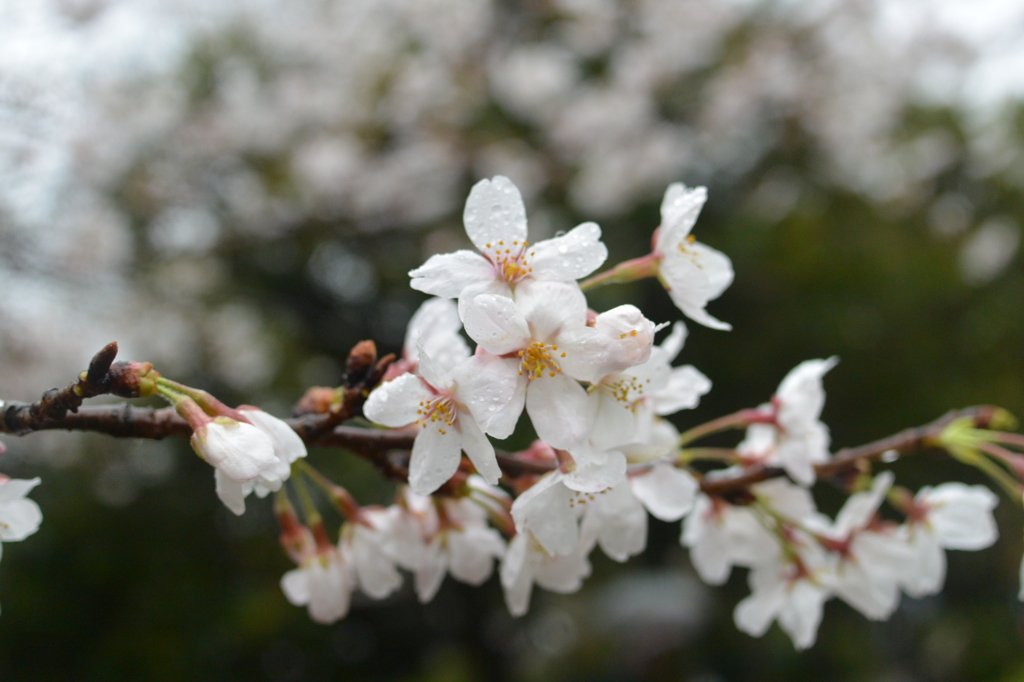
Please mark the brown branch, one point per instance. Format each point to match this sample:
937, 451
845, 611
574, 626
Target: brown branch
388, 450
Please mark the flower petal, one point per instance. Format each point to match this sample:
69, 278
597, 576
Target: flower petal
493, 391
559, 410
494, 212
574, 255
230, 492
496, 324
685, 387
448, 274
666, 491
478, 448
680, 209
435, 457
544, 511
435, 326
551, 307
395, 403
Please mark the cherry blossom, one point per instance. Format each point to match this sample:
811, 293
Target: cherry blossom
624, 403
458, 541
495, 221
949, 516
323, 583
288, 448
545, 327
792, 591
792, 436
692, 273
526, 562
550, 508
869, 559
453, 409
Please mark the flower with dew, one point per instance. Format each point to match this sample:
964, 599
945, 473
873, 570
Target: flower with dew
288, 447
625, 403
792, 435
545, 329
495, 221
454, 409
549, 509
693, 273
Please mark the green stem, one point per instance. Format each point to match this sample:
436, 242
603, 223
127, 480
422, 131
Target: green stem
715, 454
999, 475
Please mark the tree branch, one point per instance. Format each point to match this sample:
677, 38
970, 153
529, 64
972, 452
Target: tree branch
388, 450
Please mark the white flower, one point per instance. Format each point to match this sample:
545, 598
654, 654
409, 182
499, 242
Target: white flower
459, 542
692, 272
545, 328
668, 492
950, 516
790, 591
625, 403
617, 521
240, 453
287, 446
795, 440
323, 583
495, 221
721, 535
526, 562
366, 544
550, 508
19, 516
869, 560
452, 407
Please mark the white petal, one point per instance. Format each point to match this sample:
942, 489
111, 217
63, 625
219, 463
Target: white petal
673, 343
563, 574
620, 338
448, 274
516, 576
433, 373
756, 612
962, 515
859, 508
435, 457
667, 492
431, 572
551, 308
395, 403
614, 420
19, 519
801, 394
617, 521
492, 287
801, 614
574, 255
478, 448
685, 387
695, 274
496, 324
495, 212
493, 390
240, 450
435, 326
16, 488
559, 410
595, 471
375, 571
473, 552
330, 589
295, 585
287, 444
544, 511
927, 571
680, 208
230, 492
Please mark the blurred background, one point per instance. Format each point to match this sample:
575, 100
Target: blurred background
235, 190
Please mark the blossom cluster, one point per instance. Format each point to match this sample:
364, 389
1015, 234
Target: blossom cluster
596, 390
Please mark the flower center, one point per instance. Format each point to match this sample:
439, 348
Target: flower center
440, 411
538, 358
689, 253
510, 261
583, 498
628, 389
